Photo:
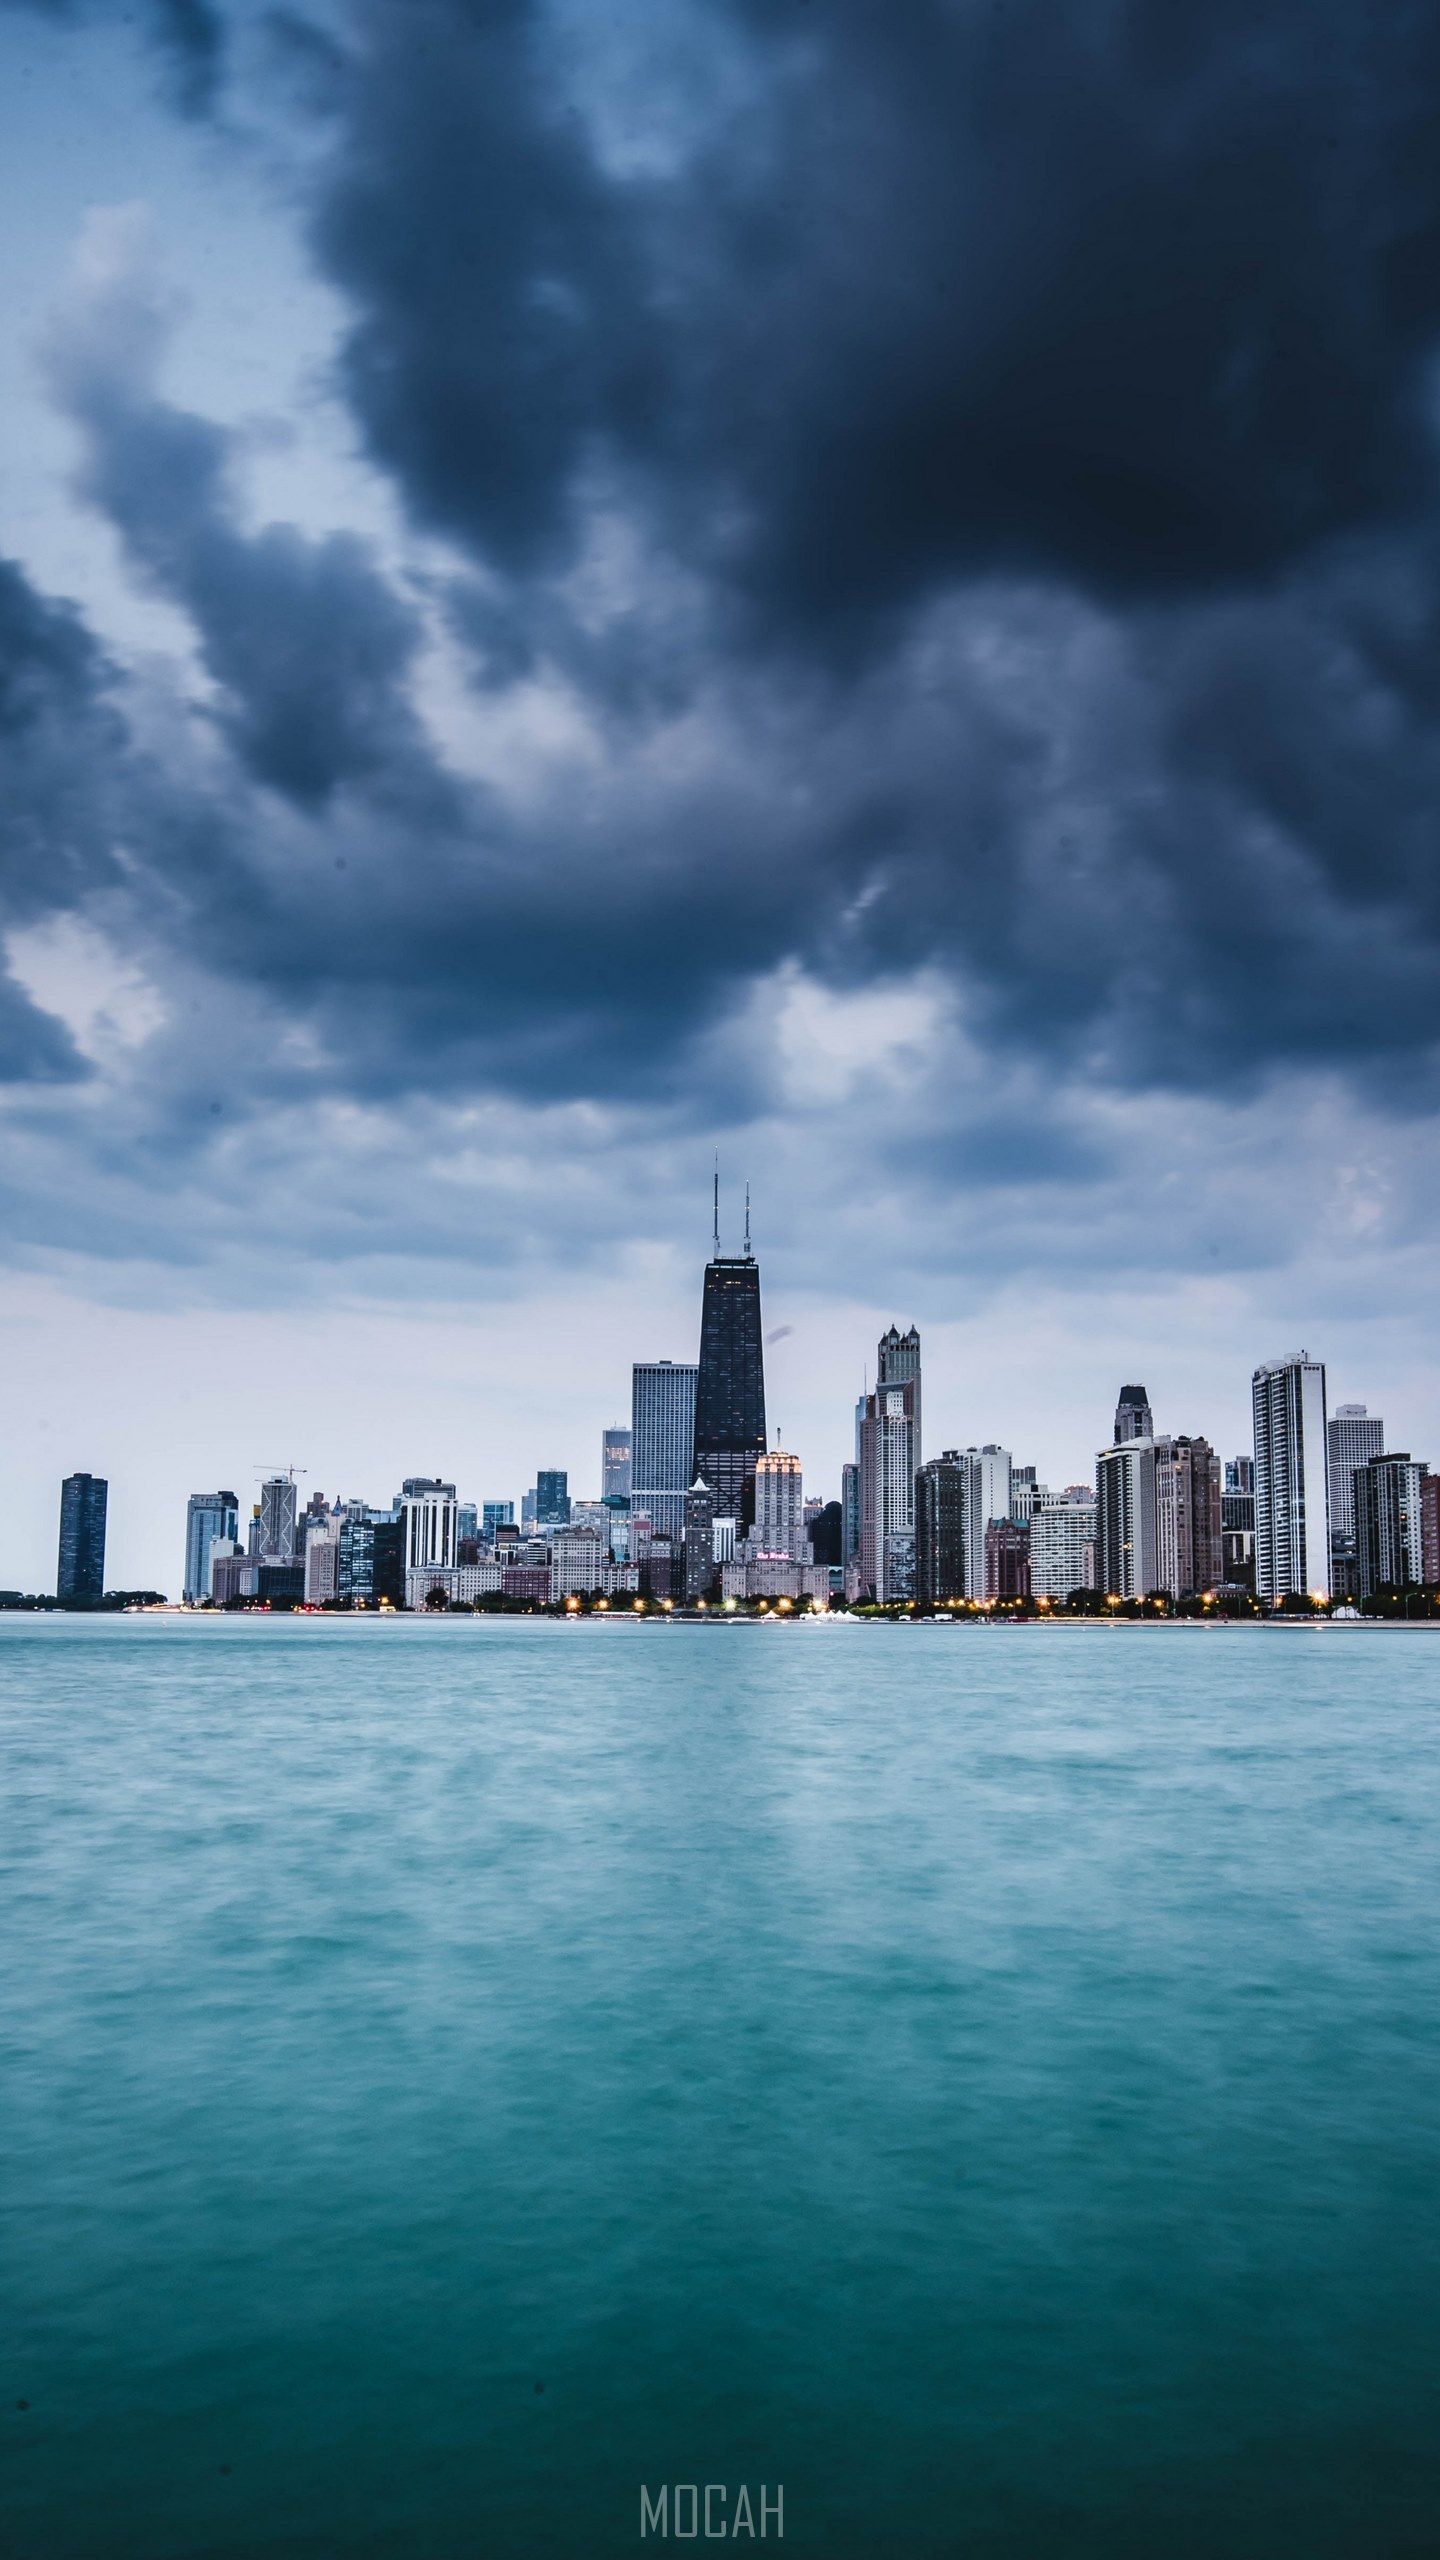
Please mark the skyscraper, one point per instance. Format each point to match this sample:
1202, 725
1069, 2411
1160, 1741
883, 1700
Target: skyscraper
208, 1516
80, 1571
1133, 1418
1354, 1436
699, 1542
1292, 1506
989, 1490
662, 1443
940, 1530
1188, 1551
615, 1450
730, 1383
429, 1529
552, 1497
779, 1528
275, 1541
493, 1516
1125, 1519
1062, 1543
1389, 1522
890, 1456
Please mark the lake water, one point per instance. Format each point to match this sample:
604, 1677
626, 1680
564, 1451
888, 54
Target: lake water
985, 2082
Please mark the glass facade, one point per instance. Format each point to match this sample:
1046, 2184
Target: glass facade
80, 1573
730, 1389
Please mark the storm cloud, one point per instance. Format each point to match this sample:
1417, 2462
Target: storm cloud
868, 497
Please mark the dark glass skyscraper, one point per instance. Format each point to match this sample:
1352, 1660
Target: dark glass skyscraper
80, 1574
730, 1388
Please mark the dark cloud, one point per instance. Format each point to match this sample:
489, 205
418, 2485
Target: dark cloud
190, 34
1076, 291
311, 645
954, 498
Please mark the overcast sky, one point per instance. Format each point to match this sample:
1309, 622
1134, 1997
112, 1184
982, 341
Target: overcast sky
582, 584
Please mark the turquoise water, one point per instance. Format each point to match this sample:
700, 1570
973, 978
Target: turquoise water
986, 2082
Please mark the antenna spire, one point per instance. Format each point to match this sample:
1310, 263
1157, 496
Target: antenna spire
747, 1222
717, 1204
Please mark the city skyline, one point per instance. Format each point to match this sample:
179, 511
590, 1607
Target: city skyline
147, 1539
445, 804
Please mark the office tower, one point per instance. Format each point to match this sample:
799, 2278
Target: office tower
1292, 1508
1355, 1435
940, 1530
527, 1509
1007, 1560
988, 1495
387, 1559
699, 1542
322, 1554
252, 1532
467, 1523
552, 1498
1125, 1519
1237, 1524
427, 1519
730, 1382
779, 1527
1389, 1523
1188, 1551
493, 1516
849, 1512
662, 1443
80, 1570
1133, 1418
208, 1516
1062, 1543
824, 1530
890, 1456
1025, 1493
615, 1447
276, 1536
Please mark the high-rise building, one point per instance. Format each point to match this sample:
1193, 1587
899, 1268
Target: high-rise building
1292, 1503
824, 1530
940, 1530
1354, 1437
493, 1516
662, 1443
1026, 1493
1389, 1522
779, 1525
276, 1542
1237, 1524
730, 1381
322, 1554
699, 1563
80, 1569
988, 1496
890, 1455
1007, 1560
208, 1516
1125, 1519
1062, 1543
1133, 1418
1188, 1551
615, 1449
552, 1498
427, 1518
